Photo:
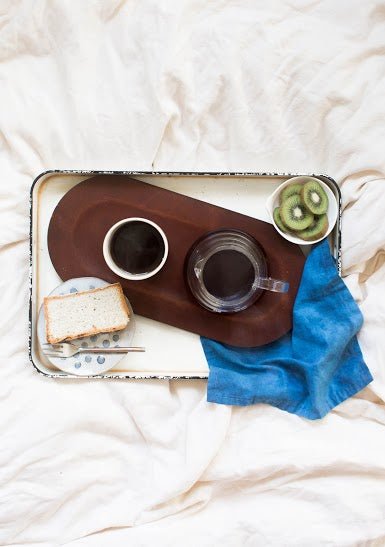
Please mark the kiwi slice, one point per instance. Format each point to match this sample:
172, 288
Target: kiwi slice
278, 221
316, 230
294, 214
289, 190
314, 197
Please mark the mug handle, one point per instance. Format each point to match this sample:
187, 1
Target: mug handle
270, 284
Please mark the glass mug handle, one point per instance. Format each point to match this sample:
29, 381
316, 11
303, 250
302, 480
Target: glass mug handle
270, 284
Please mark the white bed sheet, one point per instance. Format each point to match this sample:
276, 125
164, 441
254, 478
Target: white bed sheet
287, 85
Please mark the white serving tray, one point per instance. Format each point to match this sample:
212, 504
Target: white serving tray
170, 352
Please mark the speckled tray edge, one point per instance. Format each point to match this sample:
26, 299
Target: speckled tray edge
334, 240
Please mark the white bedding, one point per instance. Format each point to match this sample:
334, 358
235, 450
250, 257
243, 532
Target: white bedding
287, 85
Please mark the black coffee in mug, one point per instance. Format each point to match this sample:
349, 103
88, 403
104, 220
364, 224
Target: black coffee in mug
137, 247
228, 274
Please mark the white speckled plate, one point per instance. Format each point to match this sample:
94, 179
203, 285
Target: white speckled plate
87, 364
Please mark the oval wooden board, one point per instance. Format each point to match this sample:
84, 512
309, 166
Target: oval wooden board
85, 213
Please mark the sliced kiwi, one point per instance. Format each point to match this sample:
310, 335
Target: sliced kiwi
289, 190
278, 221
294, 214
314, 197
316, 230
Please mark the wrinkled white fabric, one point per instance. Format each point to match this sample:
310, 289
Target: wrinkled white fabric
287, 85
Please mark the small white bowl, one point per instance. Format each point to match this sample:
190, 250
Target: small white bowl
332, 212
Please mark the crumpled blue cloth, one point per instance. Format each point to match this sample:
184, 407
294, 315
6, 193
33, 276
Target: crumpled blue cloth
312, 369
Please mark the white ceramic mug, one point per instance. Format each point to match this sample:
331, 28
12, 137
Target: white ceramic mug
111, 260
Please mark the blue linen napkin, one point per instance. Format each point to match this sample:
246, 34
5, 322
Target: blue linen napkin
312, 369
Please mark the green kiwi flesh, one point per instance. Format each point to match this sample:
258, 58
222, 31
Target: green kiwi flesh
294, 214
278, 221
316, 230
289, 190
314, 197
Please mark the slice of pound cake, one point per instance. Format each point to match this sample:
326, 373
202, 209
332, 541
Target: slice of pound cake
85, 313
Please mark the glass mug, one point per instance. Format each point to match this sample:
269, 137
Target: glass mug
226, 271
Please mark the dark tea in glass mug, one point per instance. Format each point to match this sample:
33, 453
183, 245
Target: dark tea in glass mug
227, 271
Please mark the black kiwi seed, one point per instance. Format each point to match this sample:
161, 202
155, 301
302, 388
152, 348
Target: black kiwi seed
294, 214
314, 197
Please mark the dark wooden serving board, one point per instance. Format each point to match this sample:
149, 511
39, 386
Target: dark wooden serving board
86, 212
